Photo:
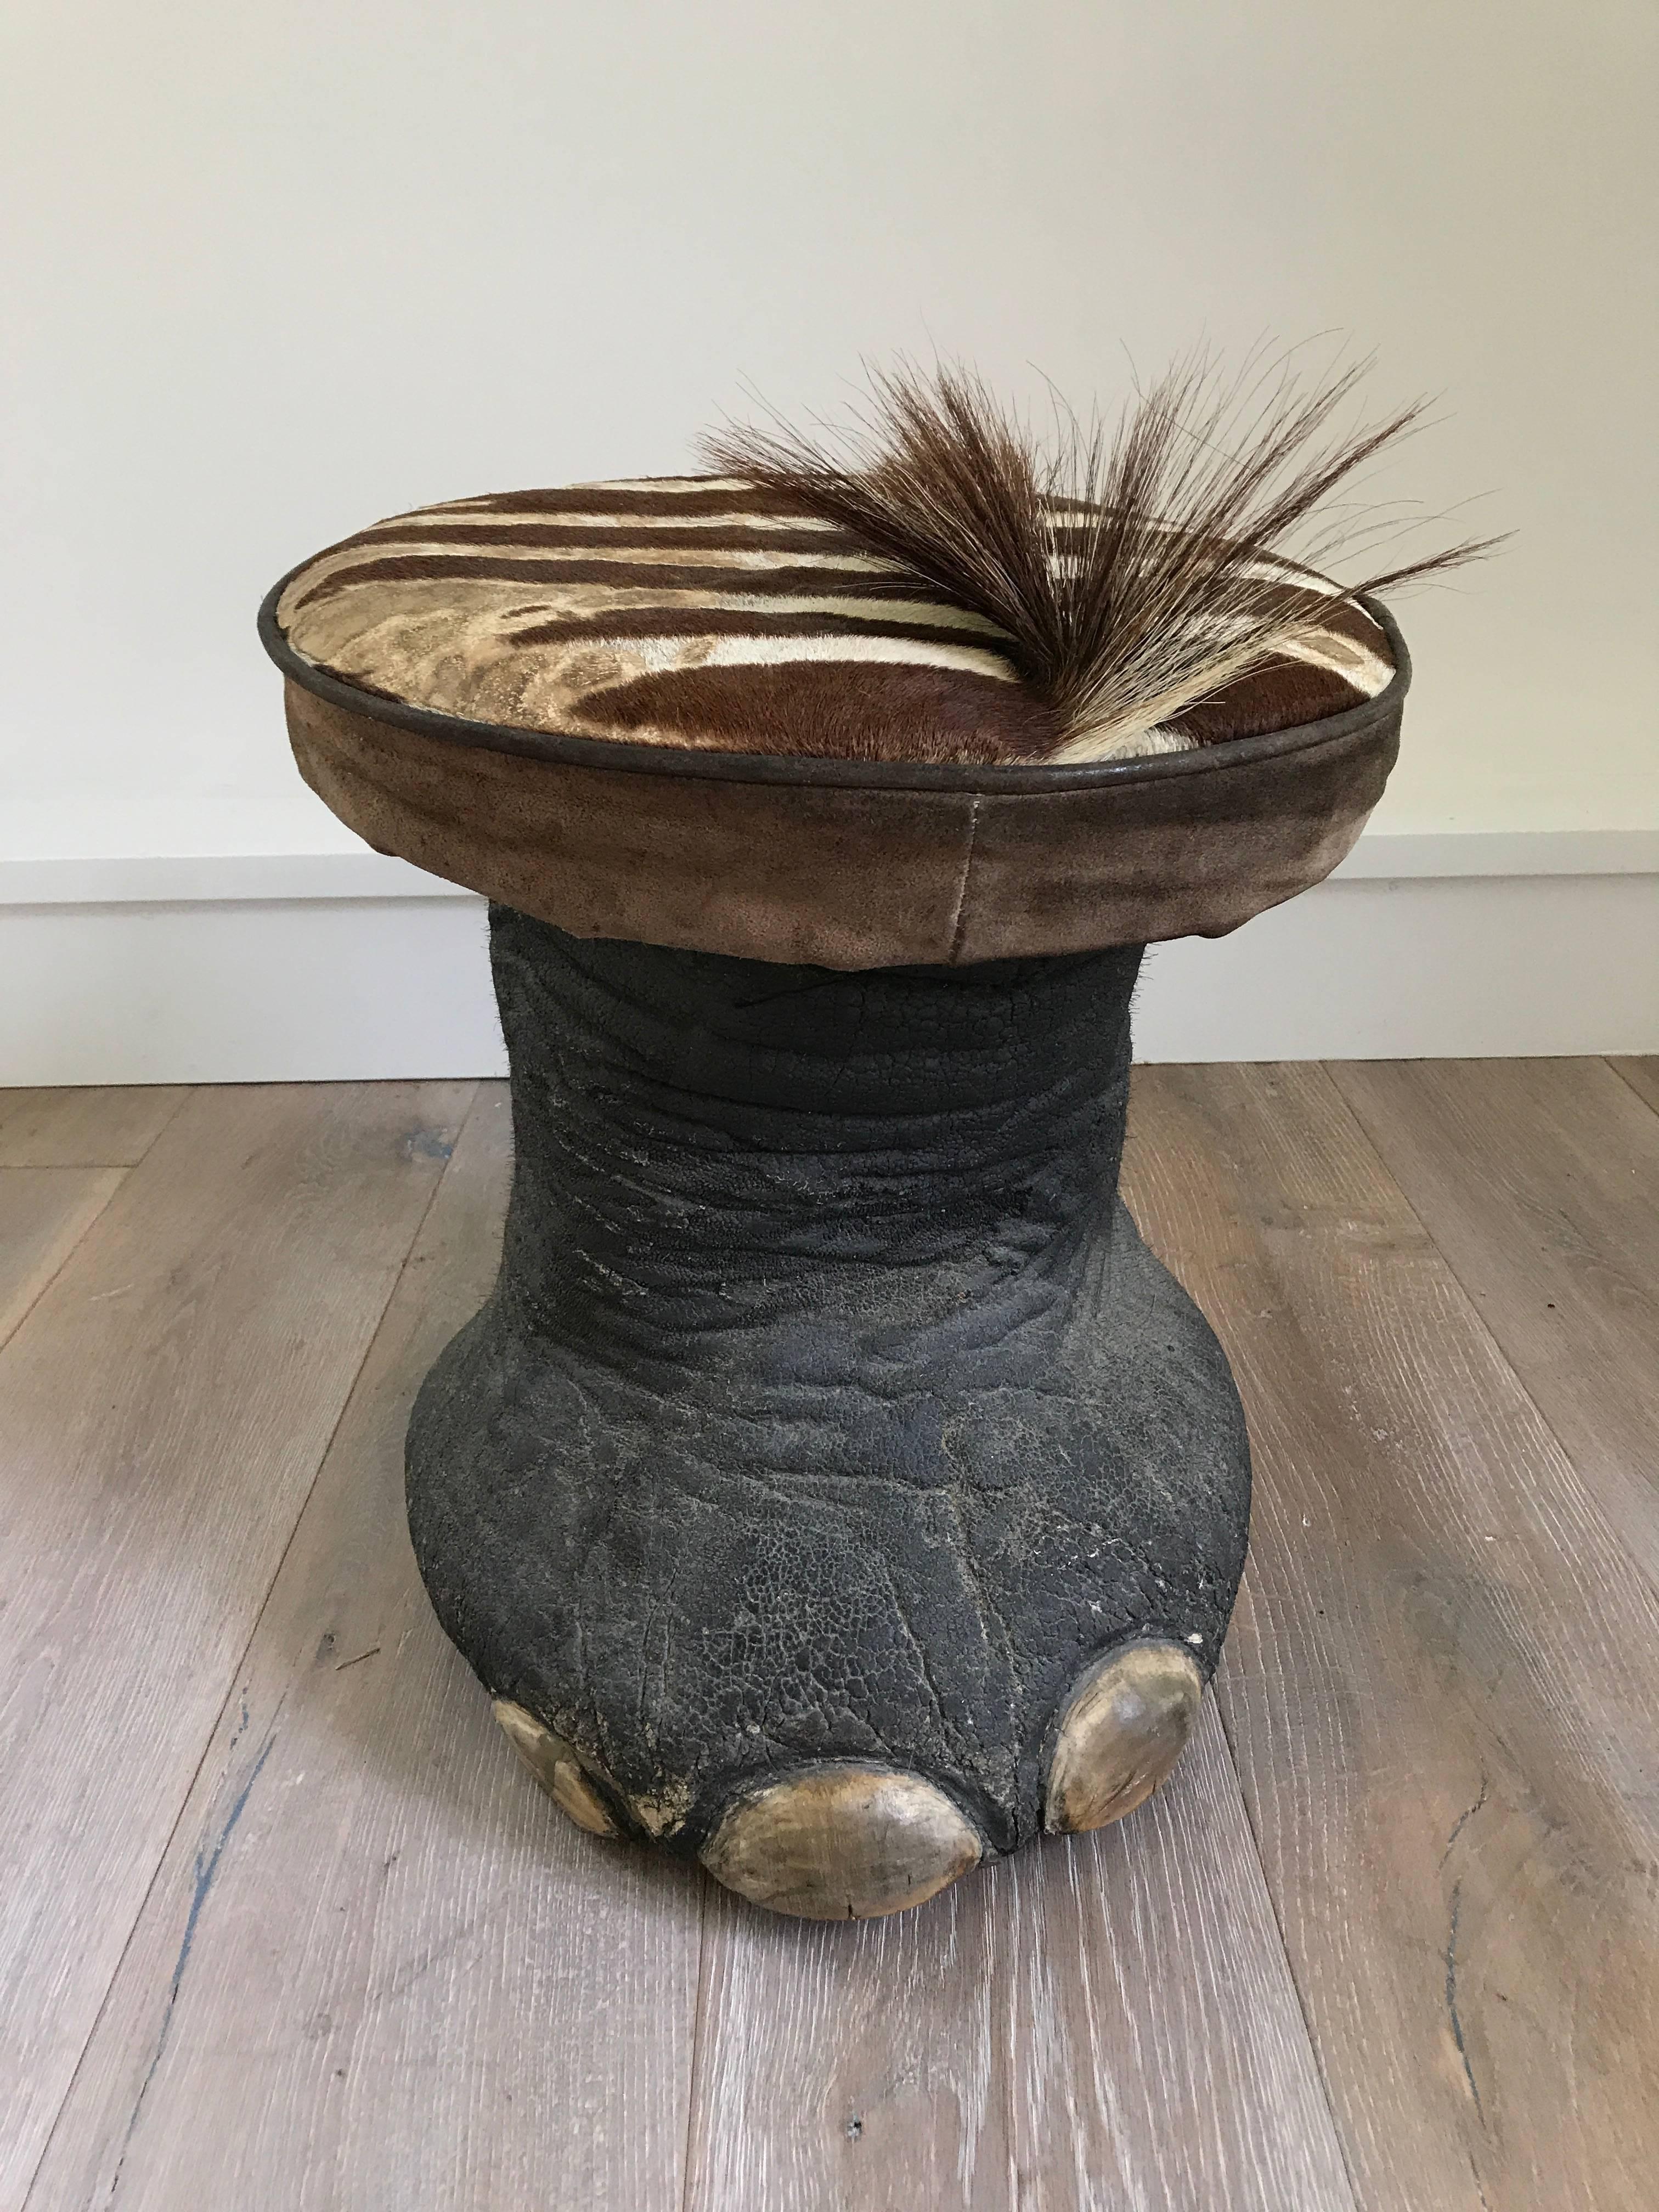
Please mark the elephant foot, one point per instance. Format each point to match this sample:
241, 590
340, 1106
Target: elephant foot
834, 1490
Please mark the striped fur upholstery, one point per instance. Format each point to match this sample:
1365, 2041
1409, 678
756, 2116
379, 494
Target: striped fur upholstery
698, 611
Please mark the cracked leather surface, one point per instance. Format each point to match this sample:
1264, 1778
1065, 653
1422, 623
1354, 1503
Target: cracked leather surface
828, 1403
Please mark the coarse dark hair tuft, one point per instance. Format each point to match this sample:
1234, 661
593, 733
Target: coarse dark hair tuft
1135, 570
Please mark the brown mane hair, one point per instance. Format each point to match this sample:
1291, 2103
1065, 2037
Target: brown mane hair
1137, 570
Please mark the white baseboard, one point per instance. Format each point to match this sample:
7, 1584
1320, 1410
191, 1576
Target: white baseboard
333, 966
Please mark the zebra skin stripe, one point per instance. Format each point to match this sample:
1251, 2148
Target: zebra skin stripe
700, 611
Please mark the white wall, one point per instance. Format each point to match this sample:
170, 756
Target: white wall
276, 271
348, 965
279, 270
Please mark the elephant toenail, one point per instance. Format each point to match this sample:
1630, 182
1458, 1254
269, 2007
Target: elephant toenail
1121, 1731
842, 1841
556, 1766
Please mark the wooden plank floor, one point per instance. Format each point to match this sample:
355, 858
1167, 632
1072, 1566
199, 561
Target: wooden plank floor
283, 1925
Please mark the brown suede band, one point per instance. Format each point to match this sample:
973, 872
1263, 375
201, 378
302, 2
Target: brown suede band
816, 862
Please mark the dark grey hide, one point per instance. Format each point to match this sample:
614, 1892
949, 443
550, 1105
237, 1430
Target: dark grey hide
828, 1404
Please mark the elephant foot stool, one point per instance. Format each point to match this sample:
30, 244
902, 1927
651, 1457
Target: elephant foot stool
835, 1488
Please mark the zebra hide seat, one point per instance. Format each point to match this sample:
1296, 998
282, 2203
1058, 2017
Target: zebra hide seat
681, 710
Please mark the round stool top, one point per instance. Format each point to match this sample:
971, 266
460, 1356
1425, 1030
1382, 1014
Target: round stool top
682, 710
700, 611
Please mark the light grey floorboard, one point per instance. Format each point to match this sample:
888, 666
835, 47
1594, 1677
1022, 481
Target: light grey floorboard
167, 1403
378, 1969
1440, 1686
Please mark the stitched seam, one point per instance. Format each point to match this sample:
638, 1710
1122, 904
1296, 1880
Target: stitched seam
960, 919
